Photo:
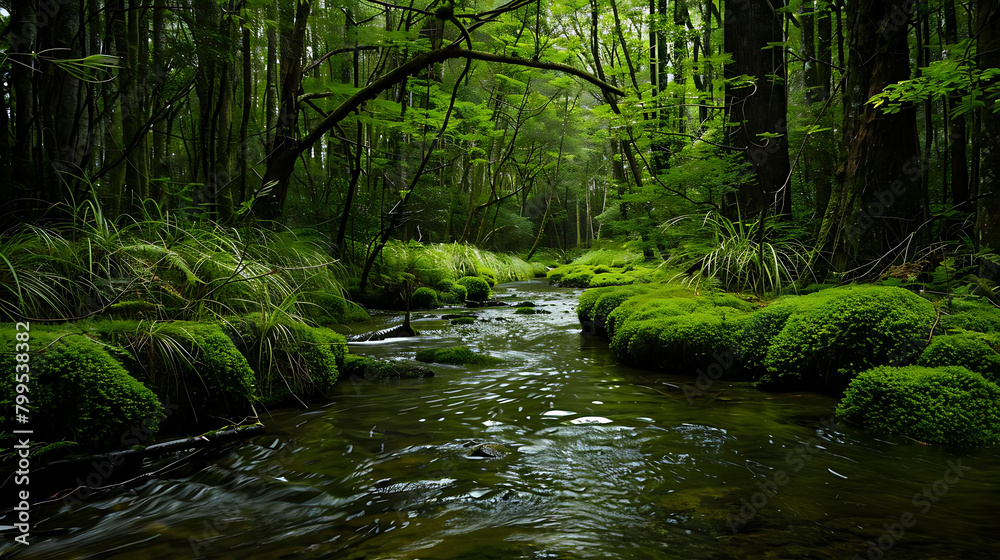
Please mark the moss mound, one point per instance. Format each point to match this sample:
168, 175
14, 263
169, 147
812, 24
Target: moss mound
288, 357
331, 309
476, 288
972, 315
839, 332
374, 370
455, 355
949, 405
77, 390
193, 364
424, 298
970, 350
463, 321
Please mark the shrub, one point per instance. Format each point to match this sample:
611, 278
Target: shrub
455, 355
78, 391
943, 405
969, 350
839, 332
476, 288
190, 363
424, 298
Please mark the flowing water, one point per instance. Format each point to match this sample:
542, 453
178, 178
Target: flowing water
604, 462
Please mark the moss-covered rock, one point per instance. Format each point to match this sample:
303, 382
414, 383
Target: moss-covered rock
455, 355
836, 333
973, 315
77, 390
373, 370
577, 279
597, 303
487, 274
424, 298
754, 334
463, 320
332, 309
476, 288
195, 365
949, 405
969, 349
289, 357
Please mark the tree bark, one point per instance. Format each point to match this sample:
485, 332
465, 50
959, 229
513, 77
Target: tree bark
757, 112
988, 215
875, 208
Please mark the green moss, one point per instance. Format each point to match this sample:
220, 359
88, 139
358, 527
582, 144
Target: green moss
463, 321
373, 370
755, 333
77, 390
577, 279
597, 303
969, 349
487, 274
476, 288
972, 315
949, 405
839, 332
455, 355
332, 309
672, 341
289, 357
193, 364
424, 298
524, 311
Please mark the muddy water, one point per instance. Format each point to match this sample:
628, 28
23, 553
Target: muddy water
604, 462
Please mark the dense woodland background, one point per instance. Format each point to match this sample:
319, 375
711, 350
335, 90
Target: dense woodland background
864, 131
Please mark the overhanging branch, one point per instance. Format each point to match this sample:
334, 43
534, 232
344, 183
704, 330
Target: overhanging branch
421, 61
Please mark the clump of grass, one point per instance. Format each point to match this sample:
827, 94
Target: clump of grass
745, 256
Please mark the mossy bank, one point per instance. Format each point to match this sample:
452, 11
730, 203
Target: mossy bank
872, 343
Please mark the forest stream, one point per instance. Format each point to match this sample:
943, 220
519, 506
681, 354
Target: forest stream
602, 461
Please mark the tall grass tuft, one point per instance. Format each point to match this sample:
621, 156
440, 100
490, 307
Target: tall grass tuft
743, 256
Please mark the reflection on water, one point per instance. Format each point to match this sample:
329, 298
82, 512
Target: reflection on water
604, 462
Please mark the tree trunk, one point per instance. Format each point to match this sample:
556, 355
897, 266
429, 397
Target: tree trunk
756, 112
875, 208
988, 216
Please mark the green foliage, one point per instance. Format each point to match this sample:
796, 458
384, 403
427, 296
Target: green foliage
78, 391
477, 289
193, 364
970, 350
287, 356
373, 370
664, 327
455, 355
839, 332
463, 321
487, 274
331, 309
424, 298
755, 333
949, 405
609, 258
972, 315
978, 88
743, 258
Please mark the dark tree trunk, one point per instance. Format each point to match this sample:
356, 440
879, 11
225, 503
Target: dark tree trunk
757, 111
876, 206
988, 222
